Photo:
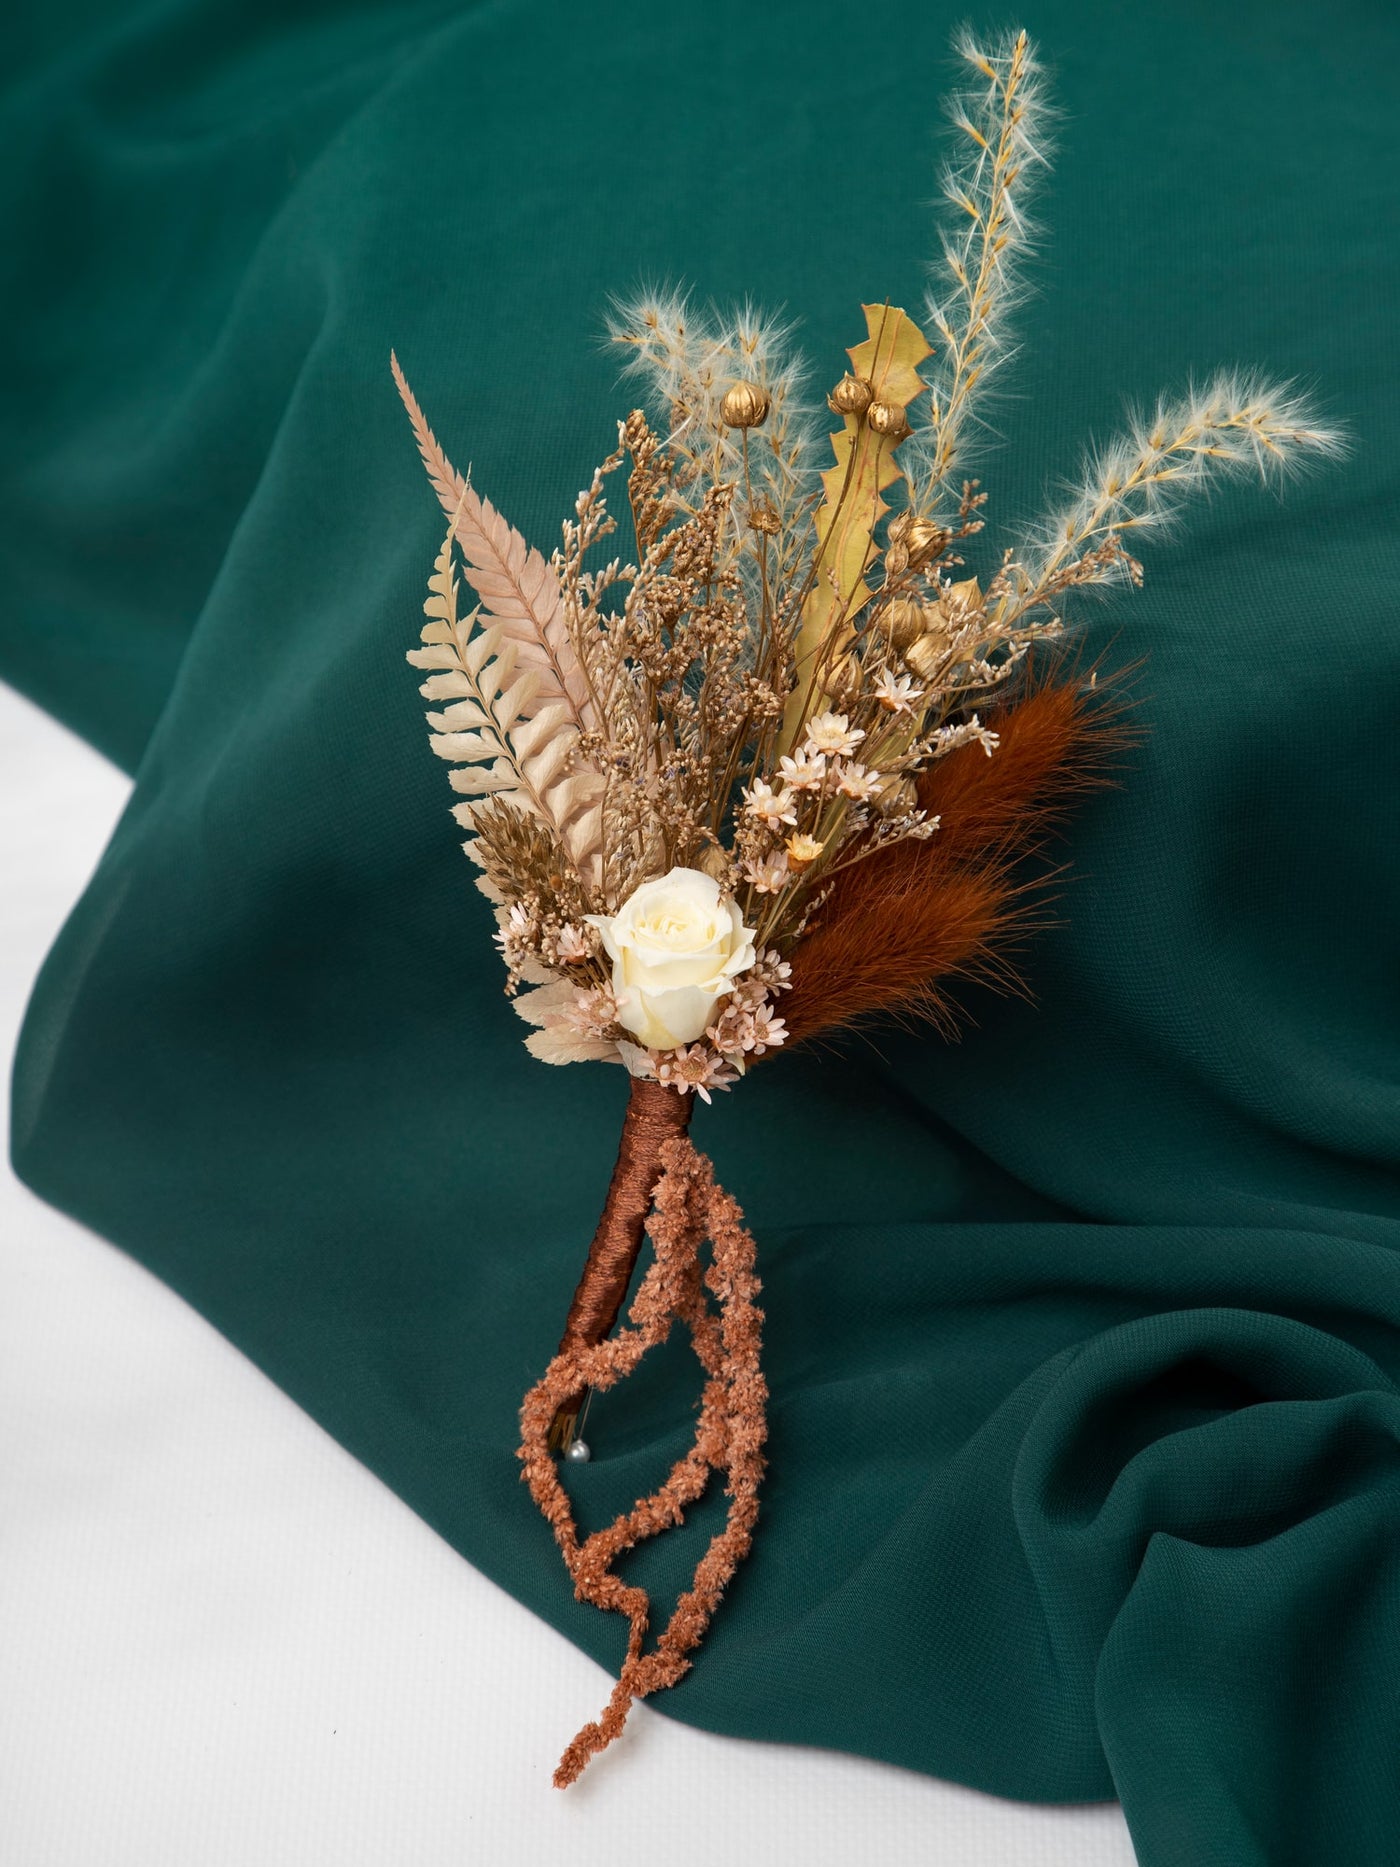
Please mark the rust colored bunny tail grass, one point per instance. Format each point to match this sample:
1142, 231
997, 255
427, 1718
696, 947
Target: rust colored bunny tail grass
729, 1437
897, 923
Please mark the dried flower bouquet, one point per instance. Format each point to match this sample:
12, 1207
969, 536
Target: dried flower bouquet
776, 773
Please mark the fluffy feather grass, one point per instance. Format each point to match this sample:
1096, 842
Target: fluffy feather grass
689, 357
1002, 121
1235, 423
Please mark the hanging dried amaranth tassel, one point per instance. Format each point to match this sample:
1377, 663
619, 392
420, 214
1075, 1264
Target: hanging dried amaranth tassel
729, 1435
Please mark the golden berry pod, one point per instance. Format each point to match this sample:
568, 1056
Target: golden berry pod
925, 656
901, 621
888, 420
925, 541
844, 682
914, 542
961, 603
851, 396
896, 796
746, 405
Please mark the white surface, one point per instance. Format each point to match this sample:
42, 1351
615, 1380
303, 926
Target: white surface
224, 1644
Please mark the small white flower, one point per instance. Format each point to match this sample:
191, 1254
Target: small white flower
765, 1031
749, 994
803, 773
897, 693
768, 875
515, 933
769, 806
745, 1028
772, 970
728, 1032
948, 738
858, 782
696, 1070
833, 735
592, 1012
573, 944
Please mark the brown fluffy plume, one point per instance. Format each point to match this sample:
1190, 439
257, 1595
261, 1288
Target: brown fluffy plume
897, 924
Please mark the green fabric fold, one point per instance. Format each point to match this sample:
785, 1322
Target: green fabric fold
1083, 1332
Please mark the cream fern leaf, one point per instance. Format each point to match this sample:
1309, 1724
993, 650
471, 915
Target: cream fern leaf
557, 1037
517, 586
503, 742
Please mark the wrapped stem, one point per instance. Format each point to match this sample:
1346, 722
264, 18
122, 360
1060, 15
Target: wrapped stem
655, 1114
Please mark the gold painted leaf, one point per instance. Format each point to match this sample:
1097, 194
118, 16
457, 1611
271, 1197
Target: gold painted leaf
852, 507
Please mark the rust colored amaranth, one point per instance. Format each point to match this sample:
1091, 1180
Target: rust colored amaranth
729, 1434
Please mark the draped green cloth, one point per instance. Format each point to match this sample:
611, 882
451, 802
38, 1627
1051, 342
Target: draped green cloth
1083, 1332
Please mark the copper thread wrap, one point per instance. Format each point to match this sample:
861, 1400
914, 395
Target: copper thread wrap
729, 1435
655, 1114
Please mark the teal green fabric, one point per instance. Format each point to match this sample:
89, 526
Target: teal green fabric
1084, 1332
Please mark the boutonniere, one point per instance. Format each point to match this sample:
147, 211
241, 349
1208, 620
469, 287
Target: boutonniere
772, 772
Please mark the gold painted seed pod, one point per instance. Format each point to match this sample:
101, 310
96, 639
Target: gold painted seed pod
746, 405
851, 396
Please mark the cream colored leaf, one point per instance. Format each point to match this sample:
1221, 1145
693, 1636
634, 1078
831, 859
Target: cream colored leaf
436, 655
547, 727
467, 747
638, 1061
551, 766
515, 701
557, 1045
517, 586
549, 1002
448, 687
479, 650
480, 780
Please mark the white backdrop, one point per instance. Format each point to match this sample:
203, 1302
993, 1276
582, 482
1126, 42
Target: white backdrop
223, 1643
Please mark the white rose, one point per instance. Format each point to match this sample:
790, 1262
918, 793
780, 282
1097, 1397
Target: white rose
676, 945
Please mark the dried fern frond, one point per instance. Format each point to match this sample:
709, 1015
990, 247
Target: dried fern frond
505, 743
518, 589
1001, 122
